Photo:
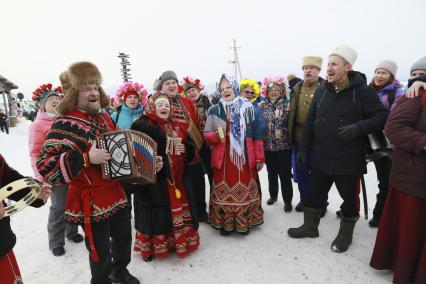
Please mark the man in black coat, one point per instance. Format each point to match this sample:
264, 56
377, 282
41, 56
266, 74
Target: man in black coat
344, 110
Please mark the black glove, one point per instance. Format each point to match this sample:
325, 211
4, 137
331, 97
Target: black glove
349, 132
300, 159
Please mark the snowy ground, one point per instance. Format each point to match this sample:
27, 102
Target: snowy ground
266, 255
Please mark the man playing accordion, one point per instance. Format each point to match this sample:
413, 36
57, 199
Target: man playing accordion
69, 155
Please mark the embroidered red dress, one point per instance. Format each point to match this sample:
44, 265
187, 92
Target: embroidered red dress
235, 200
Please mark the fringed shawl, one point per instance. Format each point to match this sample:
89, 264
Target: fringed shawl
241, 113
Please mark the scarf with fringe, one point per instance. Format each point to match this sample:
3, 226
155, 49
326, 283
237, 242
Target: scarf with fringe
241, 113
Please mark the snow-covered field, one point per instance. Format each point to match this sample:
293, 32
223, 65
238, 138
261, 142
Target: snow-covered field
266, 255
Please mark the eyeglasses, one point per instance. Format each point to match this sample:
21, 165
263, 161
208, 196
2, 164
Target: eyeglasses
248, 93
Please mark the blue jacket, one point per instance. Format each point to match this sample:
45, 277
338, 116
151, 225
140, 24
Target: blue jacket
126, 117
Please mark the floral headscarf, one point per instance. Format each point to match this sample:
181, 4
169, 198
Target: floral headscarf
233, 83
241, 113
281, 82
150, 106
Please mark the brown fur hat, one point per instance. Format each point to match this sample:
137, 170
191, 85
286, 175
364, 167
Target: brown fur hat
65, 82
78, 77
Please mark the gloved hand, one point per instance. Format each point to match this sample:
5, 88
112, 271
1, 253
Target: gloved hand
349, 132
300, 159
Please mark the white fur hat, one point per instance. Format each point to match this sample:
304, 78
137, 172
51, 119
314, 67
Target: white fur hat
346, 52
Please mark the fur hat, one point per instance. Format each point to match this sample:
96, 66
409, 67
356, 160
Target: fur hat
315, 61
419, 64
65, 82
167, 75
346, 52
388, 65
78, 77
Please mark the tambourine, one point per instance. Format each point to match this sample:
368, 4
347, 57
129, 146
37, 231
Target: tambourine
16, 186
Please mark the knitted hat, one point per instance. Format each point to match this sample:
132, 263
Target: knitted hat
419, 64
42, 93
315, 61
388, 65
346, 52
79, 76
167, 75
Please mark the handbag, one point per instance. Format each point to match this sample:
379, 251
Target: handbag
377, 145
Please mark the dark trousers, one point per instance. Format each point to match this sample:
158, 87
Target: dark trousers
320, 184
383, 168
301, 175
196, 172
4, 127
114, 253
278, 164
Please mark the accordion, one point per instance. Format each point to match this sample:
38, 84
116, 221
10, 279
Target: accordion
132, 156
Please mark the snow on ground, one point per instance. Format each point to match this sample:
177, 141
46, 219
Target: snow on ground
266, 255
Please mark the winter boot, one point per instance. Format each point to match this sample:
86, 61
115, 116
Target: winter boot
374, 222
309, 229
124, 277
344, 238
271, 201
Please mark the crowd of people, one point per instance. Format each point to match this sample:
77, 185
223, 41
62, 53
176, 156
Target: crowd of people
311, 130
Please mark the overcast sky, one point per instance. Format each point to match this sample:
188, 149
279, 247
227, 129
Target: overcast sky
39, 39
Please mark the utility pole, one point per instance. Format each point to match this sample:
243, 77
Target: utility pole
125, 70
236, 62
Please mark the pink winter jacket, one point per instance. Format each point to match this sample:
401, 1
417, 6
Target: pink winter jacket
37, 133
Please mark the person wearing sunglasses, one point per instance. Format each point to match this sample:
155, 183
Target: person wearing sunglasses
249, 89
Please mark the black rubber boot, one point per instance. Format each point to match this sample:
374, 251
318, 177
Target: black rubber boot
344, 238
309, 229
124, 278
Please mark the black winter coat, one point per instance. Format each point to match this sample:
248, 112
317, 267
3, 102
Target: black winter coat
7, 237
359, 104
151, 202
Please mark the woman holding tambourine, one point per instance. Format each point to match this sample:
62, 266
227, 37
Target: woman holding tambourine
12, 181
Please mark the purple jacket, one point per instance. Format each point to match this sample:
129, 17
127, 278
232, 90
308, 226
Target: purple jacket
386, 91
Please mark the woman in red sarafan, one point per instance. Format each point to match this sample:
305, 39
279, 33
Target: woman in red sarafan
237, 153
162, 215
401, 237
